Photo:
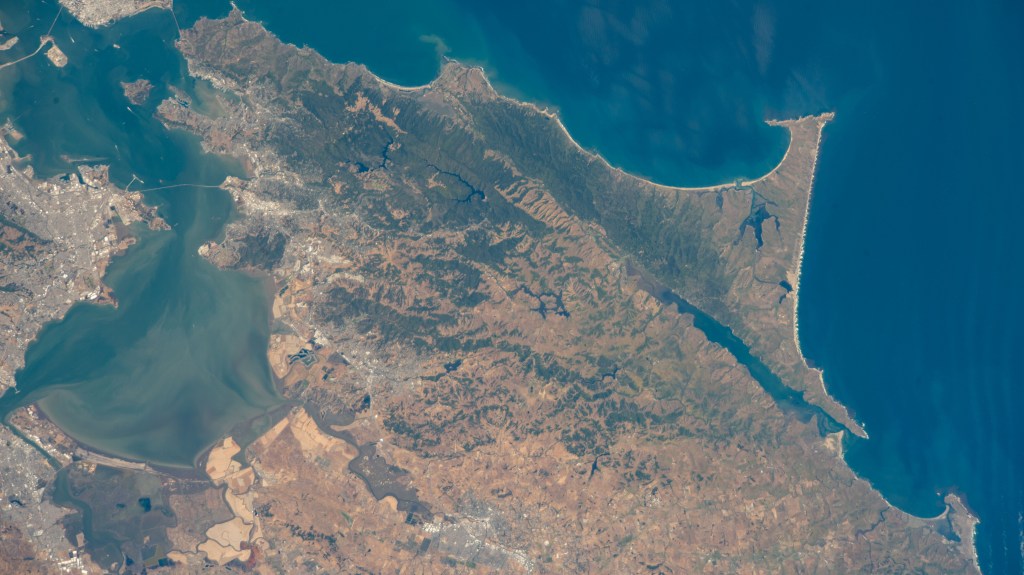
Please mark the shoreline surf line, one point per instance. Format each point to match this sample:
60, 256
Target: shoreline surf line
449, 62
438, 83
593, 155
860, 430
952, 500
822, 119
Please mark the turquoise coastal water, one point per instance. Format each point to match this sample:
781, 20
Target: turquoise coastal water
910, 281
647, 103
909, 296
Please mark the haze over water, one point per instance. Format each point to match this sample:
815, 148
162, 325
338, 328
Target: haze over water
910, 291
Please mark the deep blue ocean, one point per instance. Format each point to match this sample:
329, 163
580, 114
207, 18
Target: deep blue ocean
910, 296
912, 280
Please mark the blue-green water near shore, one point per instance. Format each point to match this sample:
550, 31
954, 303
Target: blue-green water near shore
909, 295
913, 270
620, 78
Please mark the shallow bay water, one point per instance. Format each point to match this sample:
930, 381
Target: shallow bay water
182, 358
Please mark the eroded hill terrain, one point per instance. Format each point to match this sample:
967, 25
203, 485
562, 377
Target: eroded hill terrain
484, 372
462, 296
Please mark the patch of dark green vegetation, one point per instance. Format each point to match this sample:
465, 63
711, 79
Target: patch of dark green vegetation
20, 237
312, 535
386, 480
262, 250
14, 287
479, 248
124, 515
456, 281
439, 172
366, 313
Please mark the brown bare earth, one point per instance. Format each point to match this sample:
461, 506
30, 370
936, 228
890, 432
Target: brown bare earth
472, 326
465, 311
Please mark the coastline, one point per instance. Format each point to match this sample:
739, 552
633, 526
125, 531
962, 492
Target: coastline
591, 155
969, 537
449, 63
856, 427
823, 120
953, 501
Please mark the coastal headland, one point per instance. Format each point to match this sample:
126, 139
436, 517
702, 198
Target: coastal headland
503, 354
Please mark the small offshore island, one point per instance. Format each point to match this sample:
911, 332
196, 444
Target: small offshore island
370, 327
